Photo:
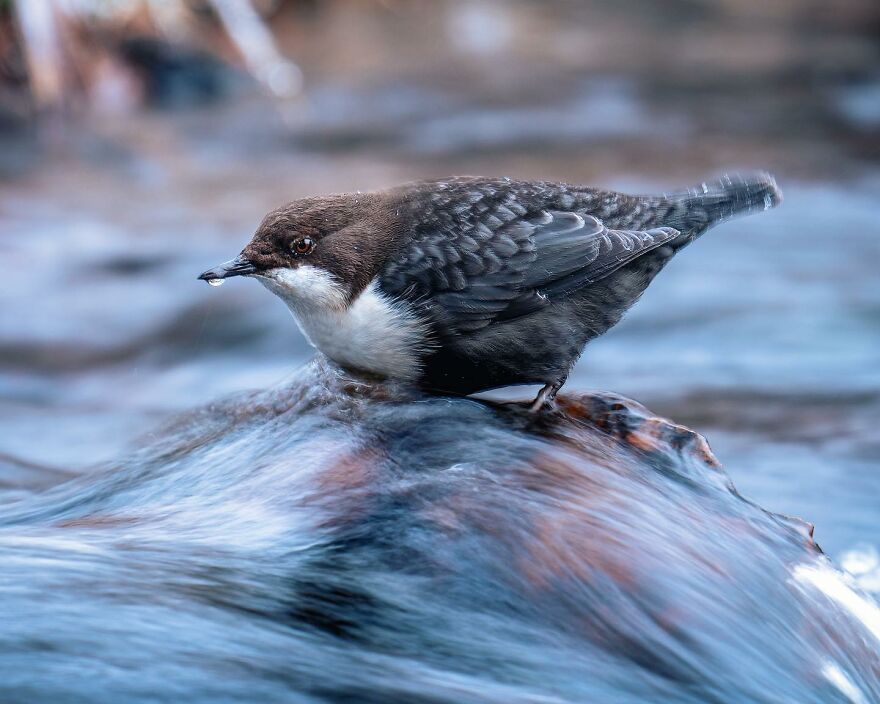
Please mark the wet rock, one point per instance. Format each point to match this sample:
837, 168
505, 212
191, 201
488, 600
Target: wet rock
335, 539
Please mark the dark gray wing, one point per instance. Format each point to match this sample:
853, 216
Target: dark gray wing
494, 270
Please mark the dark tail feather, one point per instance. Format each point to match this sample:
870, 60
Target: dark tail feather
709, 203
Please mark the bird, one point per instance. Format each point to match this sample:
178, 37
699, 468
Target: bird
467, 284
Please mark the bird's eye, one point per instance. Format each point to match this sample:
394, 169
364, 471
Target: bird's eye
302, 246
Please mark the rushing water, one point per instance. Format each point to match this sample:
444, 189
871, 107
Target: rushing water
326, 541
268, 548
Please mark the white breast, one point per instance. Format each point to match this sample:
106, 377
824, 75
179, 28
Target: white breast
374, 333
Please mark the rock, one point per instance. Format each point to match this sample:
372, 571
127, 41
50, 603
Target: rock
338, 540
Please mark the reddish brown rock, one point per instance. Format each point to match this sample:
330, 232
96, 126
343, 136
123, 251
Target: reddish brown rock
334, 540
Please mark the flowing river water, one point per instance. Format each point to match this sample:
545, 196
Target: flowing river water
764, 336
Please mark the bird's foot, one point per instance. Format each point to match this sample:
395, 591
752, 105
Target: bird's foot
546, 395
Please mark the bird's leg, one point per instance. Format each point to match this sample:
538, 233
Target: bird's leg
547, 394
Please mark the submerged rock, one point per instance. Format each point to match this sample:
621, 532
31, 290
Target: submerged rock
334, 540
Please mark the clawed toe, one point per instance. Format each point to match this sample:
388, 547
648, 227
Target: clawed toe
546, 395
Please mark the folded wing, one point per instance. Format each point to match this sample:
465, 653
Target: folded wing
498, 270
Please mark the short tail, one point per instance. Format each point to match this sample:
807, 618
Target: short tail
709, 203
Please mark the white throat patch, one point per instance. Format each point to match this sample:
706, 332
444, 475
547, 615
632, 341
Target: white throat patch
374, 334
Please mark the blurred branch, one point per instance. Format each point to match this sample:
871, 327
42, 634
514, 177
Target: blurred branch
69, 44
38, 25
257, 46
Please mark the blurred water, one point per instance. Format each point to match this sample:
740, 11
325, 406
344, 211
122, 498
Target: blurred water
325, 542
763, 335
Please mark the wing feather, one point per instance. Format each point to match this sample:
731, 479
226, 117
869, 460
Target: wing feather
507, 260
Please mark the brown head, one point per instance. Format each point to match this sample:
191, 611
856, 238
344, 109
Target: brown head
347, 236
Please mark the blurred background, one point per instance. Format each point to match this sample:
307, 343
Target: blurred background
142, 141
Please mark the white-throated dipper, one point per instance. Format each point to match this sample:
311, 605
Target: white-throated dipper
468, 284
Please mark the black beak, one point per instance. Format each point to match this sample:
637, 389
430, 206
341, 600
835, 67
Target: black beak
239, 266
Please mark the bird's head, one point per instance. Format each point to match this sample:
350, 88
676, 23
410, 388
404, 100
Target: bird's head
312, 251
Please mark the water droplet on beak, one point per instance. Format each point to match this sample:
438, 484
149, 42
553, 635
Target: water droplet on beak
215, 282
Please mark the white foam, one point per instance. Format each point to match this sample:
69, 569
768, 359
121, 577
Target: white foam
841, 680
833, 584
863, 563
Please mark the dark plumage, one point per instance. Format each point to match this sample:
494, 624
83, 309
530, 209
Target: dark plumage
505, 281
